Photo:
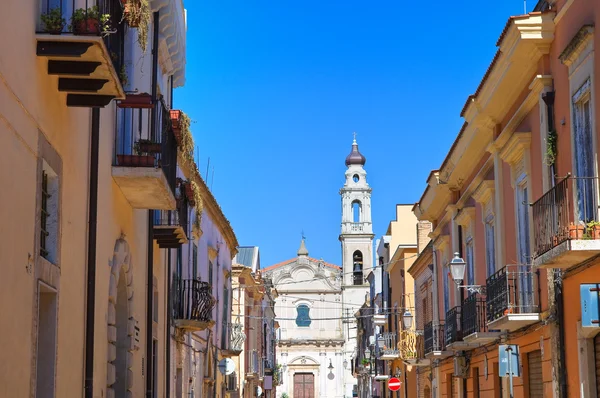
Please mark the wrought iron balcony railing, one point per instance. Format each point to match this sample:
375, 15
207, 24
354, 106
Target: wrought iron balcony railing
434, 337
411, 345
563, 213
193, 304
171, 226
473, 315
453, 326
511, 291
388, 348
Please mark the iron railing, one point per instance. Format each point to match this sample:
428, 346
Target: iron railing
253, 362
411, 345
434, 337
173, 218
473, 315
563, 212
192, 300
388, 346
96, 18
511, 291
137, 146
453, 326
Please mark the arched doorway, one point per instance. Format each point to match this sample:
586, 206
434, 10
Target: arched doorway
120, 322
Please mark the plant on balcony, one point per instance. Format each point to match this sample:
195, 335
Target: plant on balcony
53, 21
365, 362
123, 76
285, 395
576, 231
137, 14
551, 141
89, 21
144, 146
276, 374
592, 230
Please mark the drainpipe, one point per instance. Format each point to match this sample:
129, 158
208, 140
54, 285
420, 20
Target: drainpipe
168, 337
150, 266
91, 257
436, 311
558, 274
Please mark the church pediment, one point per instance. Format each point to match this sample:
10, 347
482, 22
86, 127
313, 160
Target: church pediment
305, 276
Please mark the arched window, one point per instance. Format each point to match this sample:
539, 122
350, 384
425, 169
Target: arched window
303, 317
356, 211
357, 270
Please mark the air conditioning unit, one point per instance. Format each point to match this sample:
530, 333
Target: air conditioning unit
461, 368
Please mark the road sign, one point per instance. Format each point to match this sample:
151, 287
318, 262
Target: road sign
394, 384
509, 360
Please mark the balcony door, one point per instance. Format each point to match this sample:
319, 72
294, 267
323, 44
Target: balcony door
304, 385
523, 275
583, 151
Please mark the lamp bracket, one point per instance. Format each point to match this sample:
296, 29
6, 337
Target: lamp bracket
474, 288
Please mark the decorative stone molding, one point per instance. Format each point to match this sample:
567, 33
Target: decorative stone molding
212, 252
465, 216
576, 46
514, 153
121, 261
484, 192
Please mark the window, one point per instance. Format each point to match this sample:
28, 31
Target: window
490, 246
226, 312
445, 277
470, 262
194, 261
583, 150
303, 317
46, 341
356, 211
210, 272
49, 214
357, 269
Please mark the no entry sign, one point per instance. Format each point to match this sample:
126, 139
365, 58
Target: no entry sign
394, 384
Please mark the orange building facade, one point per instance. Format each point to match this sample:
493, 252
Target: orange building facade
517, 199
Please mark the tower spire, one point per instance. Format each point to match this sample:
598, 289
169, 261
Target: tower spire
302, 251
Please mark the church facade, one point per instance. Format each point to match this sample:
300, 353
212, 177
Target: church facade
317, 300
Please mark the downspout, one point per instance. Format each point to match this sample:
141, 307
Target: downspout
150, 265
558, 273
168, 337
91, 257
436, 310
217, 348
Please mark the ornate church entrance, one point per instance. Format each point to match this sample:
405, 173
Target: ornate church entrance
304, 385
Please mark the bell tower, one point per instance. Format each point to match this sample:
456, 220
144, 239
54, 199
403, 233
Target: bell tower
357, 228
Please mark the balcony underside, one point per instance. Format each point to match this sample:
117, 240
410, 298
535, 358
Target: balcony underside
144, 187
417, 362
84, 68
193, 325
169, 236
389, 356
461, 346
512, 322
231, 353
482, 338
568, 253
438, 354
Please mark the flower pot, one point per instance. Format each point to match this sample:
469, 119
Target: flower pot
576, 231
136, 160
190, 194
137, 101
150, 147
87, 26
176, 125
595, 232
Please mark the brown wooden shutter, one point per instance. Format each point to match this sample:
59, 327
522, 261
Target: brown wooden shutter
597, 352
536, 382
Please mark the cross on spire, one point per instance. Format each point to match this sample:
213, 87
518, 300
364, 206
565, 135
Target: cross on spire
354, 137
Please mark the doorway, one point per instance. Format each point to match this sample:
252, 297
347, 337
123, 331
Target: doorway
304, 385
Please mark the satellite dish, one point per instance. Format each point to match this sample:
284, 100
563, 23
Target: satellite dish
226, 366
259, 391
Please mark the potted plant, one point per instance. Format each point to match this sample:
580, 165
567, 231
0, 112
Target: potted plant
137, 101
148, 146
576, 231
593, 230
365, 362
142, 158
53, 21
123, 76
137, 14
89, 21
285, 395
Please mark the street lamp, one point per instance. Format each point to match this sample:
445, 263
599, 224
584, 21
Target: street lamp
457, 270
407, 319
330, 367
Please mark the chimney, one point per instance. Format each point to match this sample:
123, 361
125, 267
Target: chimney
423, 230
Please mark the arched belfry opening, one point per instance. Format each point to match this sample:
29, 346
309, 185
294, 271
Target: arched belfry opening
357, 272
356, 211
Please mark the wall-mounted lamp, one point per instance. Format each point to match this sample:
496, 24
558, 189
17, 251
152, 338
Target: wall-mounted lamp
407, 319
457, 270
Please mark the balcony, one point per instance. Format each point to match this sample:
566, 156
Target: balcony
474, 324
511, 298
434, 341
193, 304
231, 382
565, 219
171, 226
253, 365
412, 349
387, 347
145, 159
84, 48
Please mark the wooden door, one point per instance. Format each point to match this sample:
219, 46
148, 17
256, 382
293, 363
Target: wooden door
304, 385
536, 381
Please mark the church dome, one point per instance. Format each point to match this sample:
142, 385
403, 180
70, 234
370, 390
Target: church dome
355, 157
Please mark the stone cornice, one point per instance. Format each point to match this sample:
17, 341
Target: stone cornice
212, 252
577, 44
441, 242
484, 192
515, 148
465, 216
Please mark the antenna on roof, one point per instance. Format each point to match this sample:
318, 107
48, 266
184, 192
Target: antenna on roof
525, 6
212, 178
207, 166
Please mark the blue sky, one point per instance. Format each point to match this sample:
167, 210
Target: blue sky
276, 88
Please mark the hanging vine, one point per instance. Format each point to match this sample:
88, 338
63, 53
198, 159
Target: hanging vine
138, 15
551, 145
